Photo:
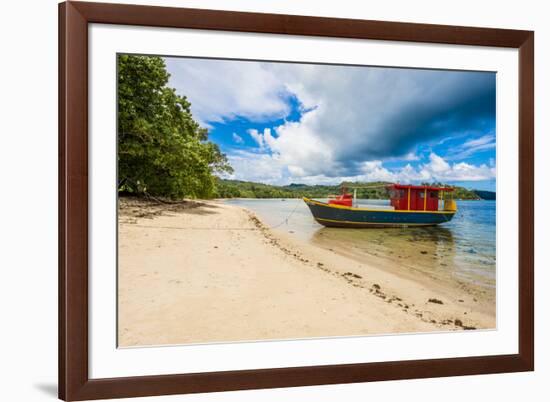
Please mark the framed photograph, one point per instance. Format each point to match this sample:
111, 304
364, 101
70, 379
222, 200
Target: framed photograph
260, 200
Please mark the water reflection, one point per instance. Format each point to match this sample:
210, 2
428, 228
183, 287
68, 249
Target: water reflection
463, 248
420, 248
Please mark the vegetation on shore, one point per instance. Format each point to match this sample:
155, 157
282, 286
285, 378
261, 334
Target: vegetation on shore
162, 150
377, 190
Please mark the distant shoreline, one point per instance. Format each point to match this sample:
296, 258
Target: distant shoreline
226, 188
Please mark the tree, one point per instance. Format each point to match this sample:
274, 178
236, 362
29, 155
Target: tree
162, 150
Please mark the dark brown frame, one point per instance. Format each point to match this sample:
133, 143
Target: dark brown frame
74, 383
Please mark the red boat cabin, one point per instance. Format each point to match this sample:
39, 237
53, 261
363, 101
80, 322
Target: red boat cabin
416, 198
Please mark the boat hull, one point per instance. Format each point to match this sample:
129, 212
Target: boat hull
348, 217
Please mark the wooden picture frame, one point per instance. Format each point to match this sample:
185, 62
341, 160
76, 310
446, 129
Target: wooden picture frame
74, 381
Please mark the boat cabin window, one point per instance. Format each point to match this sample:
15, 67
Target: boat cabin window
398, 198
397, 193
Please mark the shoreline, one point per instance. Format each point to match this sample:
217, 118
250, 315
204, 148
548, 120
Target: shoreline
381, 268
207, 271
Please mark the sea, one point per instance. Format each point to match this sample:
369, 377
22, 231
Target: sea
464, 248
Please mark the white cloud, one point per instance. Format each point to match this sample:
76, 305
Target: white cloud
272, 169
440, 170
437, 164
376, 113
257, 137
237, 138
375, 171
353, 118
300, 146
297, 146
481, 141
470, 147
411, 156
257, 167
220, 89
437, 169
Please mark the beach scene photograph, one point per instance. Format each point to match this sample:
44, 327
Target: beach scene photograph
265, 200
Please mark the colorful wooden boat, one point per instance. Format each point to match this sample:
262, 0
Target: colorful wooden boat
409, 206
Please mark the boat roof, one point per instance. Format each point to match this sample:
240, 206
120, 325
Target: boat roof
413, 187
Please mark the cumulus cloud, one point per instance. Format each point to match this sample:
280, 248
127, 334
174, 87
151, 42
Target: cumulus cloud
260, 138
376, 113
439, 169
352, 120
237, 138
222, 90
436, 169
257, 167
411, 156
272, 169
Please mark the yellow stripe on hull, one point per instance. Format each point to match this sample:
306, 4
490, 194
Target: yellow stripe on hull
321, 220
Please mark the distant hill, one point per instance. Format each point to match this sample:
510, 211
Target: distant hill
486, 195
246, 189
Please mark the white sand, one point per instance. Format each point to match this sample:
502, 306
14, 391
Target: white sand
214, 273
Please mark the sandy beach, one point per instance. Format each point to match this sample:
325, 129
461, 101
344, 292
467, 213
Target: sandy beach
210, 272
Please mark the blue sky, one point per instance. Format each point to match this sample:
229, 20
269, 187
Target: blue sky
282, 123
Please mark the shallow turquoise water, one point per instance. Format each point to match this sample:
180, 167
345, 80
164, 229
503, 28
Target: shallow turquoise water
464, 248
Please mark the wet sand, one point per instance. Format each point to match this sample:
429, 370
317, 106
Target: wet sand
210, 272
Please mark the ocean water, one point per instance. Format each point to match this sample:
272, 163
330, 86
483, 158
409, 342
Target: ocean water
464, 248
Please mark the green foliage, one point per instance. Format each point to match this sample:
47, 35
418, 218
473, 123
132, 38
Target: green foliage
462, 193
161, 149
244, 189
